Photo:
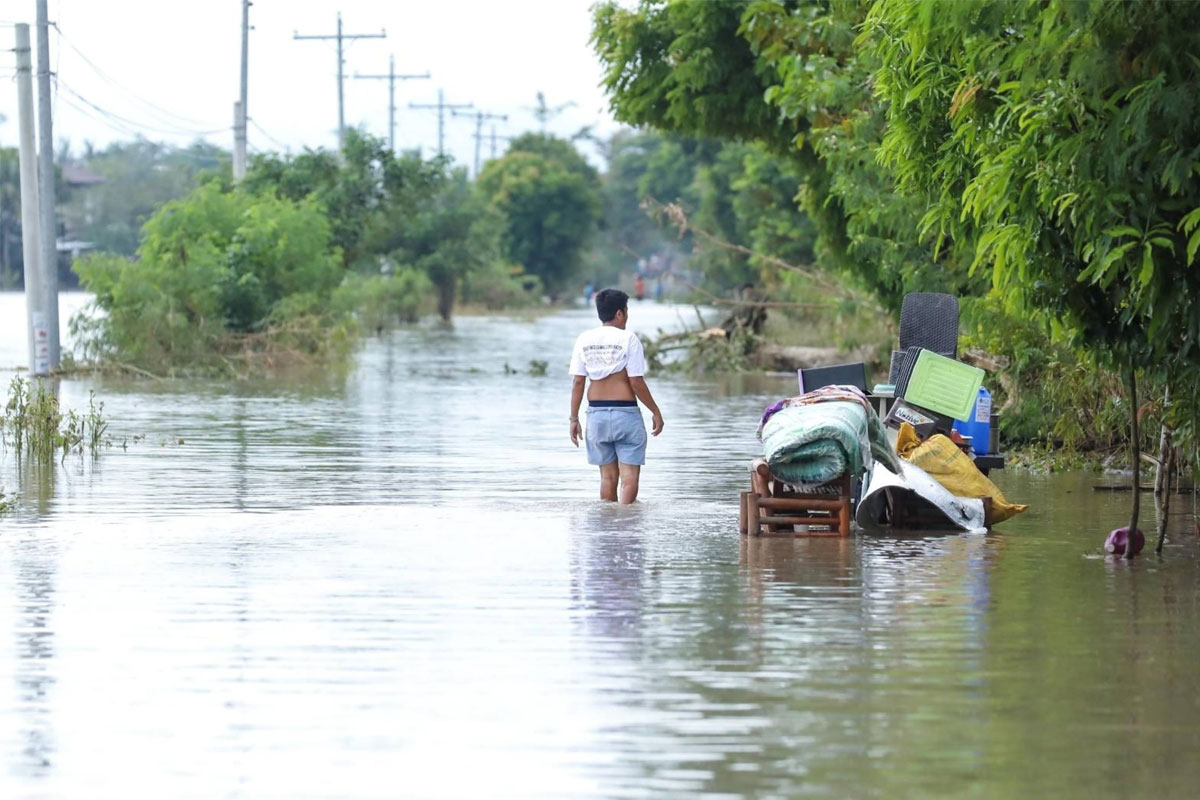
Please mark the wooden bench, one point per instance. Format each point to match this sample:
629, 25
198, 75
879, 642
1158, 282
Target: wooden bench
773, 508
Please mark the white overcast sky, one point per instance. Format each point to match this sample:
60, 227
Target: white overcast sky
183, 56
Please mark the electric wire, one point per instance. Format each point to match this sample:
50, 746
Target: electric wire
136, 124
270, 138
165, 116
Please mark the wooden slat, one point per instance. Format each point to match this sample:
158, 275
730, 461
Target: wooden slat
805, 504
797, 520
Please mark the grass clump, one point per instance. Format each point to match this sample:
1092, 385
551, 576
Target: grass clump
34, 423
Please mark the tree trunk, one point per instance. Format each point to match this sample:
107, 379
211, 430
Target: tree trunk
1162, 476
446, 290
1135, 449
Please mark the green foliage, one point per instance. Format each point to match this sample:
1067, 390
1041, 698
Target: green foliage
501, 285
139, 177
211, 266
454, 234
382, 301
1043, 154
10, 218
34, 424
550, 200
1058, 142
366, 191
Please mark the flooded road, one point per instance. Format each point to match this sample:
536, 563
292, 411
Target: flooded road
395, 581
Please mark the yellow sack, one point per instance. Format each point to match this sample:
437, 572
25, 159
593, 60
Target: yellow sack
953, 468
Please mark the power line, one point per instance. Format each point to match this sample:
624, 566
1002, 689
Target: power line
136, 124
177, 118
270, 138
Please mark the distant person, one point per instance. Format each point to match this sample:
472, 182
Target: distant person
658, 290
588, 291
613, 360
639, 288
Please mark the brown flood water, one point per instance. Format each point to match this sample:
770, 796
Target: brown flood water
396, 582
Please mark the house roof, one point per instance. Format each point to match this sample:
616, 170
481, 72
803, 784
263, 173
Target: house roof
75, 175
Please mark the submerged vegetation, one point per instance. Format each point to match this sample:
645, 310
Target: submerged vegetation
35, 425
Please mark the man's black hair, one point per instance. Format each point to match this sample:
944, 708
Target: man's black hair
609, 302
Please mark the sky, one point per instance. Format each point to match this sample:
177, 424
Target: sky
169, 69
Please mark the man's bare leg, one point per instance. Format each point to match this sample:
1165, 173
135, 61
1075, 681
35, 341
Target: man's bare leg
629, 482
608, 481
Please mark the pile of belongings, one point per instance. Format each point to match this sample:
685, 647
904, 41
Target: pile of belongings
817, 437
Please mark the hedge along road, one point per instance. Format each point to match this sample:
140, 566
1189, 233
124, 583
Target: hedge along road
395, 581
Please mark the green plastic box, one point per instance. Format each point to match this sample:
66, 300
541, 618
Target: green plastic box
943, 385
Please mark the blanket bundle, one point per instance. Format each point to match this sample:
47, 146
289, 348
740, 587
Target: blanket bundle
819, 436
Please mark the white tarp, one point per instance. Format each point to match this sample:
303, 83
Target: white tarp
913, 482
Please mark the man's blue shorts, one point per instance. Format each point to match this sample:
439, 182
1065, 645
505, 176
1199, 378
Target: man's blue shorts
615, 433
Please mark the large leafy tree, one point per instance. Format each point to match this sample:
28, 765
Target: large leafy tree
550, 199
1061, 140
452, 235
211, 264
366, 190
787, 77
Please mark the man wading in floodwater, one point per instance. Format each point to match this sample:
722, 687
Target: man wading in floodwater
613, 359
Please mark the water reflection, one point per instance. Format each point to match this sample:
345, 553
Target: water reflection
355, 583
34, 564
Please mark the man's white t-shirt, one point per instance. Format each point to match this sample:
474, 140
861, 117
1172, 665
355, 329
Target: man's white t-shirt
602, 351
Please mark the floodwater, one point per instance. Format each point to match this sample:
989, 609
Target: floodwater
395, 581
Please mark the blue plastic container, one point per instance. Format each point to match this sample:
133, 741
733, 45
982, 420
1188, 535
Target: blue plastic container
979, 426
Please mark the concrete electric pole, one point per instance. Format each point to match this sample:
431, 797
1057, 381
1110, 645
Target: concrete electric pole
495, 138
240, 110
441, 107
341, 65
31, 240
391, 78
480, 116
46, 185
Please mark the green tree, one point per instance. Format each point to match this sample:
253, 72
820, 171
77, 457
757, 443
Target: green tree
454, 234
212, 265
11, 260
1059, 141
139, 177
365, 191
550, 199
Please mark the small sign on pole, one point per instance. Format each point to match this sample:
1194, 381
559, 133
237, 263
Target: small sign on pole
41, 344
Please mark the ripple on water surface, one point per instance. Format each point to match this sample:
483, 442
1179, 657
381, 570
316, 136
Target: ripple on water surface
394, 582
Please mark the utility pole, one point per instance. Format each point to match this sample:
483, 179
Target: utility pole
240, 109
441, 107
31, 240
391, 78
480, 116
341, 65
46, 185
494, 138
